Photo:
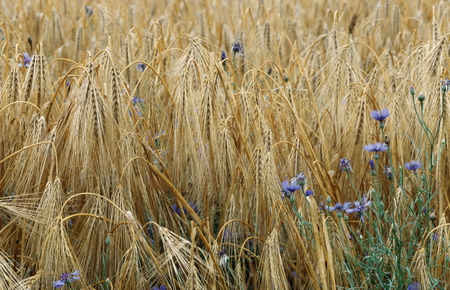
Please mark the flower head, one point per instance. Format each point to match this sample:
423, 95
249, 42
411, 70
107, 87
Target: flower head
223, 258
223, 56
288, 189
177, 209
445, 85
338, 207
237, 47
413, 165
372, 165
388, 172
300, 179
344, 165
380, 115
309, 192
89, 10
66, 278
141, 67
414, 286
137, 100
26, 60
160, 287
376, 147
359, 207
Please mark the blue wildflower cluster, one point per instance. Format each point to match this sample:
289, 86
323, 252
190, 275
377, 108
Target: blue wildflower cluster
136, 100
138, 103
346, 207
89, 10
193, 205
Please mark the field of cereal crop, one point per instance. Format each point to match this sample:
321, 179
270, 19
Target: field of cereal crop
186, 144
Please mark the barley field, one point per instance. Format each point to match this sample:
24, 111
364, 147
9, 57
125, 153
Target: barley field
184, 144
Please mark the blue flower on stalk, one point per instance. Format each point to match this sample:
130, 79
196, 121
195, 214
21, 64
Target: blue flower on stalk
435, 237
372, 165
223, 56
141, 67
338, 207
445, 84
66, 278
309, 192
288, 189
414, 286
161, 287
360, 207
237, 47
137, 100
89, 10
223, 258
177, 209
388, 172
376, 147
380, 116
344, 165
413, 165
300, 179
26, 60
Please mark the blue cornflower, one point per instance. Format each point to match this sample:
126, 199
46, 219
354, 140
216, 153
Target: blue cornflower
380, 115
413, 165
237, 47
193, 205
344, 165
309, 192
223, 56
376, 147
436, 237
414, 286
177, 209
372, 165
300, 179
338, 207
141, 67
89, 10
161, 287
288, 189
445, 84
137, 100
66, 278
26, 60
388, 172
223, 258
360, 207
